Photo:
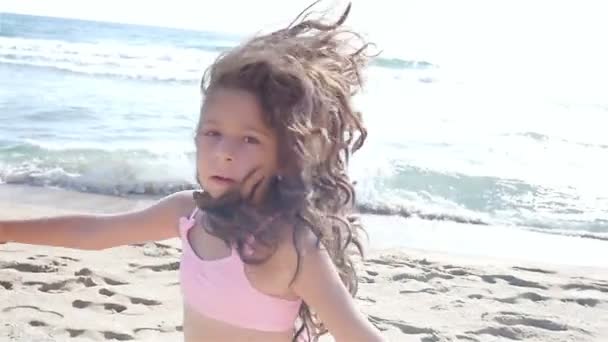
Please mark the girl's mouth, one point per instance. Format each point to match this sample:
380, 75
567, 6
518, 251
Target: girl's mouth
224, 180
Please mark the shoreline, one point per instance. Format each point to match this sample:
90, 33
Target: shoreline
498, 243
410, 294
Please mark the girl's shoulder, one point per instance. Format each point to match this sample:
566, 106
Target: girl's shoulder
182, 203
294, 244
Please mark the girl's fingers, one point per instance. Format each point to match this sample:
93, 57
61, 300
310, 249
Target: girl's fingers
255, 185
250, 184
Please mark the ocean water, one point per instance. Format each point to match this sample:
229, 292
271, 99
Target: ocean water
111, 108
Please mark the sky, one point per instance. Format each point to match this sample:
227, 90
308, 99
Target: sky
546, 34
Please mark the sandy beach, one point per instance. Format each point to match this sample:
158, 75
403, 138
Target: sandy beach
131, 293
481, 183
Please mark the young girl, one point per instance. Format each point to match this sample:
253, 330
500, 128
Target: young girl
267, 243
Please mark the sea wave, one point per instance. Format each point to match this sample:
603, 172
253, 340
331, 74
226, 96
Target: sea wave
406, 191
142, 62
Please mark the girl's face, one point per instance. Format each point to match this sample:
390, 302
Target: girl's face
232, 140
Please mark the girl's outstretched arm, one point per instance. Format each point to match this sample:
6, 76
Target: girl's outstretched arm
319, 285
96, 231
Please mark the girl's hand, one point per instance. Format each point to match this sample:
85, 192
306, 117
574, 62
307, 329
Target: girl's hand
252, 189
3, 237
255, 185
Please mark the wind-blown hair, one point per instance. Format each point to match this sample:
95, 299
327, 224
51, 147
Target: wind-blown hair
304, 77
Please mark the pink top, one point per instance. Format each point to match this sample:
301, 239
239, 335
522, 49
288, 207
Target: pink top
219, 289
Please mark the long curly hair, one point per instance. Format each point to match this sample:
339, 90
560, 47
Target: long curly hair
304, 76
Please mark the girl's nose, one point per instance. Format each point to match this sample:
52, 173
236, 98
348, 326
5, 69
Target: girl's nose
226, 150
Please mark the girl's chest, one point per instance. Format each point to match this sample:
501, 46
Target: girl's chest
271, 277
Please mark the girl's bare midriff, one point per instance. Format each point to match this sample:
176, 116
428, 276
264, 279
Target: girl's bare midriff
198, 328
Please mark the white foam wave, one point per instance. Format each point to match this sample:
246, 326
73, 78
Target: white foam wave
111, 59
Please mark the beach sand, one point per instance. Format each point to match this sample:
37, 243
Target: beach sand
131, 293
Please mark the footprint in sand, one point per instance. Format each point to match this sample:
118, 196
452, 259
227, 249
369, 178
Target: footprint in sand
36, 323
454, 270
432, 271
172, 266
55, 261
98, 335
436, 290
511, 333
62, 285
105, 335
75, 332
512, 300
113, 307
388, 262
534, 270
384, 324
85, 278
110, 281
426, 277
460, 272
111, 335
423, 262
30, 268
514, 318
69, 258
593, 286
535, 297
133, 300
466, 338
158, 329
157, 249
138, 330
366, 299
366, 280
512, 280
590, 302
31, 307
521, 320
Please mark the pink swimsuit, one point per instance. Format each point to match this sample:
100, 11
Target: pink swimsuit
219, 289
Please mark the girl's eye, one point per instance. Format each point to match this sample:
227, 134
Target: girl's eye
211, 133
251, 140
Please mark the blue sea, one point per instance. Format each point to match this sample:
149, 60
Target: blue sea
110, 108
